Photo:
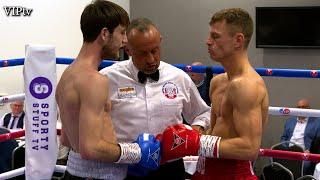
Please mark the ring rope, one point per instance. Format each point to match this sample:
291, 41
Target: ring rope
17, 134
280, 111
21, 171
262, 152
297, 73
12, 135
289, 155
12, 98
286, 111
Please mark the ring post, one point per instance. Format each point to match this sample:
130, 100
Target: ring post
40, 82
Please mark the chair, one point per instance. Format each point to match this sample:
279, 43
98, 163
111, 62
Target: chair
295, 166
18, 157
307, 177
18, 160
314, 149
276, 171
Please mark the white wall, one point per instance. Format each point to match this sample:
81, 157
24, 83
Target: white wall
51, 22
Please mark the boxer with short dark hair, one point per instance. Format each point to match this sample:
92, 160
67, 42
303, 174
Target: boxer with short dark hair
84, 104
239, 106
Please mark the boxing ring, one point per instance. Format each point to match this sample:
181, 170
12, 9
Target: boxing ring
278, 111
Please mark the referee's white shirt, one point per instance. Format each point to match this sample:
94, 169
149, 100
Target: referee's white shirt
152, 106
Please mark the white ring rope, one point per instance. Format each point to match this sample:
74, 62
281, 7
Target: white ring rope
279, 111
12, 98
20, 171
13, 173
286, 111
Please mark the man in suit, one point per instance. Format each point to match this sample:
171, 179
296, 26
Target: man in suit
302, 131
14, 119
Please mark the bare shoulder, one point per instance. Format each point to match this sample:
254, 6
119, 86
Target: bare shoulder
218, 79
93, 82
95, 78
246, 89
80, 77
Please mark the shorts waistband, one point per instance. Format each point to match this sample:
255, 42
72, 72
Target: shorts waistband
228, 166
94, 169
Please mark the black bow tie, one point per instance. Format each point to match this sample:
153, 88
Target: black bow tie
143, 77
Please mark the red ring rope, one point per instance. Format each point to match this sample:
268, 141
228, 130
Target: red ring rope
263, 152
17, 134
12, 135
289, 155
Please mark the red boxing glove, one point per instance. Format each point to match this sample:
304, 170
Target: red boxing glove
181, 140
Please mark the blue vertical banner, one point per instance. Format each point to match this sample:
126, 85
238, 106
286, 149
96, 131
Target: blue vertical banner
40, 82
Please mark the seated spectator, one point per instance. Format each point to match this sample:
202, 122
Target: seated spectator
6, 148
201, 82
14, 119
302, 131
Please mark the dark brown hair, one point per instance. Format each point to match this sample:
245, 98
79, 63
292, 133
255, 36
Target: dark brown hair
100, 14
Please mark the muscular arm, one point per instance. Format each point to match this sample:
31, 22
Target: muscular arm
246, 98
213, 116
92, 143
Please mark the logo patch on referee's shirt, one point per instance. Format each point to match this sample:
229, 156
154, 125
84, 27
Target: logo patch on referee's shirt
170, 90
127, 92
177, 141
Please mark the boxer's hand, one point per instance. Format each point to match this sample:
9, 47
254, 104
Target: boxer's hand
198, 128
145, 152
181, 140
150, 151
178, 141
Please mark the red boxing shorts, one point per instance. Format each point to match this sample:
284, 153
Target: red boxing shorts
226, 169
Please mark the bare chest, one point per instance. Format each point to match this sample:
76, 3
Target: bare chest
222, 106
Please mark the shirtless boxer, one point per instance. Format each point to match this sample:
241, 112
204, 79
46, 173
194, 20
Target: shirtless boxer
239, 106
82, 97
